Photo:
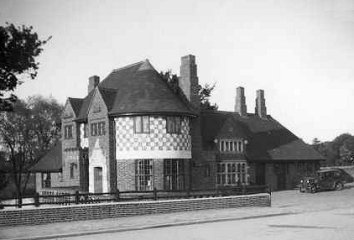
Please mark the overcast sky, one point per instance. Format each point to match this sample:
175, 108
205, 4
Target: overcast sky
301, 52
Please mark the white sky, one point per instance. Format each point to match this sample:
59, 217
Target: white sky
301, 52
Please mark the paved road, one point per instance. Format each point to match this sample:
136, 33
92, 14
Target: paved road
319, 225
325, 215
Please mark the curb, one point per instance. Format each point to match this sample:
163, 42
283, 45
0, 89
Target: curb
184, 223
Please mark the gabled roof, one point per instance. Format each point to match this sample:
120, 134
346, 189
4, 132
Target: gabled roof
137, 89
51, 162
76, 104
85, 106
267, 139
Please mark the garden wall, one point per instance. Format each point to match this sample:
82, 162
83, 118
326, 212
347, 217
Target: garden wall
44, 215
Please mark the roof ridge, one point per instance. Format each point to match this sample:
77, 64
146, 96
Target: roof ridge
128, 66
71, 98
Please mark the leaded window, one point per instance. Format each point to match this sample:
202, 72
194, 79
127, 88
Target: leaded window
174, 174
144, 175
231, 173
173, 125
68, 132
231, 145
142, 124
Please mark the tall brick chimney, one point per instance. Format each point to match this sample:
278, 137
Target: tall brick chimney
93, 82
240, 102
188, 80
261, 110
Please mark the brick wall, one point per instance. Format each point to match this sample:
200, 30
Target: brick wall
126, 175
114, 210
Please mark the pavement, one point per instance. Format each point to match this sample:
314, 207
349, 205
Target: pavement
283, 203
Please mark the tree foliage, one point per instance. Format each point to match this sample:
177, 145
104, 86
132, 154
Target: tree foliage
204, 92
27, 133
340, 151
19, 46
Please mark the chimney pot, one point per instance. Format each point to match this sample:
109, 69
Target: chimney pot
188, 80
261, 109
240, 102
93, 82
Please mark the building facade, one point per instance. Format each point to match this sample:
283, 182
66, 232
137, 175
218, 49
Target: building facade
136, 131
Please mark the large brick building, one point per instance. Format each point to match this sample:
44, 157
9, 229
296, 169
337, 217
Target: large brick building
136, 131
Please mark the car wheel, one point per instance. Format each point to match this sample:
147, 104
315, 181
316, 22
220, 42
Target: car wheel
313, 190
339, 186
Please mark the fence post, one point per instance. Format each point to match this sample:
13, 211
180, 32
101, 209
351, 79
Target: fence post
243, 189
77, 197
1, 205
19, 203
269, 190
36, 199
155, 194
117, 195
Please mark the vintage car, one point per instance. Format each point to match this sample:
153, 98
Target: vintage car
326, 179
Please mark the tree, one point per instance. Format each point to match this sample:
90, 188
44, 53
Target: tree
204, 92
28, 132
19, 46
340, 151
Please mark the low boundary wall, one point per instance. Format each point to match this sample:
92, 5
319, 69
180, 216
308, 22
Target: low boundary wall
44, 215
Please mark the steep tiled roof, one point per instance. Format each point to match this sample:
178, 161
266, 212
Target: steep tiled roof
108, 96
137, 89
85, 106
140, 89
267, 139
76, 104
51, 162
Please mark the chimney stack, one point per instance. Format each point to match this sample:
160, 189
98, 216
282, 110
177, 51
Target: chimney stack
93, 82
261, 110
188, 80
240, 102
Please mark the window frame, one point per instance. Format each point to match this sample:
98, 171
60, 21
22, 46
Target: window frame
47, 182
98, 128
68, 131
231, 146
174, 124
73, 167
231, 173
143, 124
144, 174
174, 174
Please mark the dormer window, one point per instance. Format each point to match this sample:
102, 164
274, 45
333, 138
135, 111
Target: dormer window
173, 125
231, 145
142, 124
